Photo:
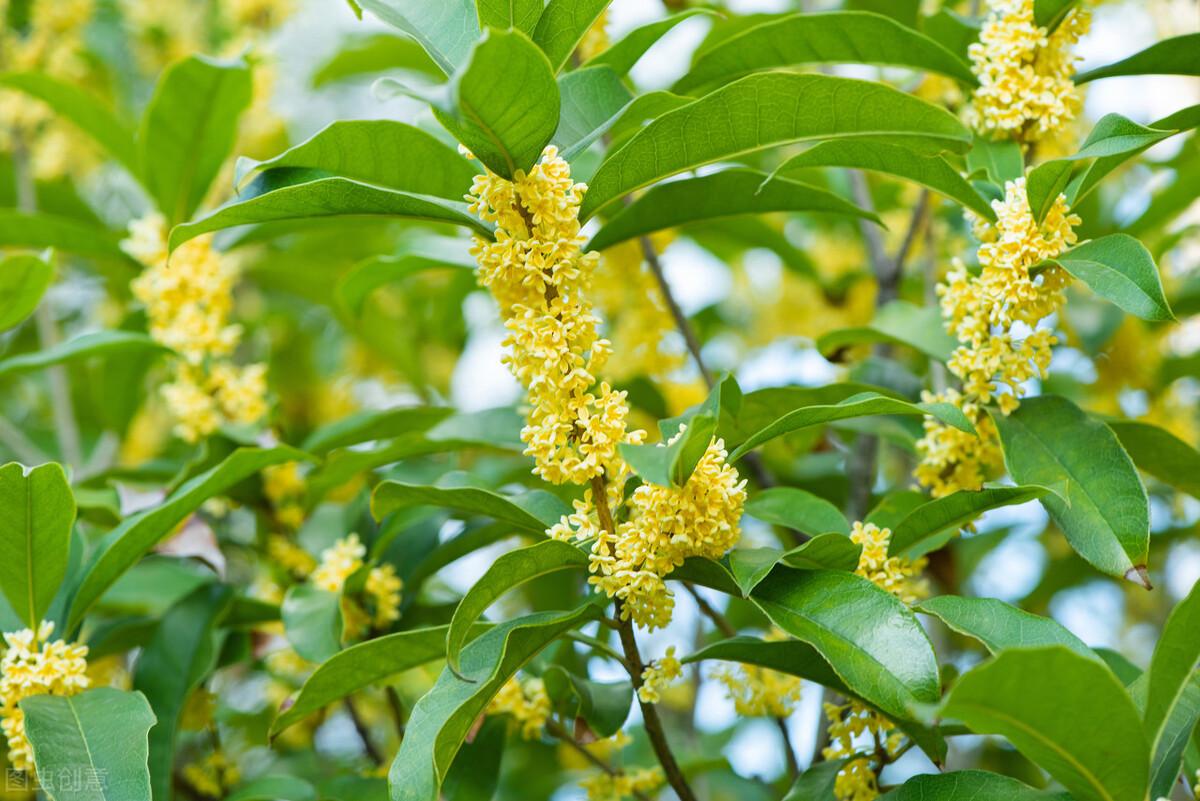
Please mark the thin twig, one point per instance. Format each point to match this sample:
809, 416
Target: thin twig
363, 733
556, 730
598, 645
393, 699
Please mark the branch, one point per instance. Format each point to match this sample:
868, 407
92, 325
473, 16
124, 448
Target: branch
363, 733
556, 729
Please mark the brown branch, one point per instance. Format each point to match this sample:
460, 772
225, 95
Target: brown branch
556, 729
363, 733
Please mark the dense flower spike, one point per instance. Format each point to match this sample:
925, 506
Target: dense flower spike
526, 702
34, 664
899, 576
1024, 72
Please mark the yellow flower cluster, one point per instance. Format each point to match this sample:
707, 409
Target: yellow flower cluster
291, 557
285, 489
540, 277
623, 784
34, 664
188, 300
526, 702
1025, 88
995, 317
899, 576
857, 780
658, 675
758, 691
342, 560
338, 562
595, 40
212, 777
383, 587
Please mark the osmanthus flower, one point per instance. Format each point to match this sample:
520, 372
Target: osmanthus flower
623, 784
285, 488
212, 777
1025, 88
33, 664
758, 691
526, 702
658, 675
898, 575
342, 560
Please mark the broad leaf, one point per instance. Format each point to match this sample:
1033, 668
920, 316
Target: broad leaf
771, 109
817, 783
35, 535
1000, 626
829, 551
121, 548
977, 785
835, 37
1103, 509
721, 194
1079, 188
604, 706
380, 152
442, 718
507, 572
1161, 454
534, 510
188, 130
357, 284
520, 14
897, 323
562, 26
178, 658
929, 526
66, 234
1119, 268
96, 742
446, 29
104, 344
274, 788
369, 425
933, 172
593, 99
793, 657
624, 54
797, 509
24, 278
1067, 713
1173, 691
312, 621
1177, 56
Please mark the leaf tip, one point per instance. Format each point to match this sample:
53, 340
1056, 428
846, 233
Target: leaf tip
1139, 575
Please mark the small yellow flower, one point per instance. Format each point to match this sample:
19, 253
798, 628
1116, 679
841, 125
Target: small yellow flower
338, 563
658, 675
526, 702
212, 777
383, 586
897, 575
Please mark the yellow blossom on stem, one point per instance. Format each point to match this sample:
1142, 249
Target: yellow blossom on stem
383, 586
338, 563
658, 675
526, 702
623, 784
291, 557
212, 777
897, 575
848, 725
758, 691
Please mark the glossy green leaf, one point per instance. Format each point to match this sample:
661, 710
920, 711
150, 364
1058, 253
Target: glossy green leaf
592, 100
828, 551
35, 535
771, 109
441, 719
797, 509
189, 129
121, 548
793, 657
380, 152
1160, 453
817, 783
24, 278
287, 194
1067, 713
474, 774
862, 405
82, 108
1087, 180
952, 31
369, 425
1049, 13
507, 572
977, 785
274, 788
825, 38
99, 736
534, 510
933, 172
722, 194
1119, 268
999, 160
1000, 626
66, 234
312, 621
622, 55
672, 463
1176, 56
99, 344
180, 655
445, 28
897, 323
1103, 509
520, 14
1173, 691
603, 705
922, 530
382, 52
562, 26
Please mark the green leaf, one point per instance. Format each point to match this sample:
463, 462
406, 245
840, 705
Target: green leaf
380, 152
274, 788
933, 172
899, 323
1067, 713
1119, 268
442, 718
624, 54
829, 551
508, 571
1160, 453
797, 509
1173, 691
24, 278
66, 234
121, 548
1179, 55
861, 405
834, 37
188, 130
360, 666
520, 14
178, 658
382, 52
604, 706
87, 112
312, 621
1079, 188
976, 785
1000, 160
474, 774
105, 344
287, 194
562, 26
793, 657
672, 464
35, 535
722, 194
534, 510
1000, 626
816, 783
97, 740
505, 103
373, 424
357, 284
445, 28
1105, 516
593, 99
1049, 13
952, 31
918, 533
770, 109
